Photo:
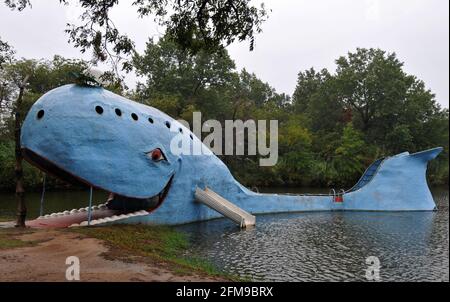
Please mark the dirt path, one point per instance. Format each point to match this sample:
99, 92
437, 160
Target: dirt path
46, 261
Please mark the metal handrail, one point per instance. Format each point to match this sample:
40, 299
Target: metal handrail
334, 194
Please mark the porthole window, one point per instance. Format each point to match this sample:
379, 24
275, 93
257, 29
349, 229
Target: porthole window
190, 135
118, 112
99, 109
181, 130
40, 114
167, 124
150, 120
134, 116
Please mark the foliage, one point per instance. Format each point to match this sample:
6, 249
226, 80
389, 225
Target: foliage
43, 76
6, 53
389, 110
349, 156
334, 126
194, 25
172, 73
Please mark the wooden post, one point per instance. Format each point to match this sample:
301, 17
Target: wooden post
20, 191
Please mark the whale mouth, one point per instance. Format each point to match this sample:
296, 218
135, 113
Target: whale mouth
118, 207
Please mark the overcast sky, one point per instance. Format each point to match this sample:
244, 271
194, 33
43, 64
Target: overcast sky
298, 35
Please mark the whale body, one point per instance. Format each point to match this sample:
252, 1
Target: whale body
92, 136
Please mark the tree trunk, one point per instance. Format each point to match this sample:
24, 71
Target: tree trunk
20, 191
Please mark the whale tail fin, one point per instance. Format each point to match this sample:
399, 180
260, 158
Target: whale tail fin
395, 183
427, 155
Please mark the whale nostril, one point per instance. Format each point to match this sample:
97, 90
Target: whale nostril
40, 114
99, 109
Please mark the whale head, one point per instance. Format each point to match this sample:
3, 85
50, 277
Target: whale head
92, 136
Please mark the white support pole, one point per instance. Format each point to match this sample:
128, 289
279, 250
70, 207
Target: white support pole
41, 210
90, 207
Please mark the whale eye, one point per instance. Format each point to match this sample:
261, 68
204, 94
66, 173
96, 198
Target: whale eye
156, 155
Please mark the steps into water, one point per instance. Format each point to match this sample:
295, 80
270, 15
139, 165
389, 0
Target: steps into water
216, 202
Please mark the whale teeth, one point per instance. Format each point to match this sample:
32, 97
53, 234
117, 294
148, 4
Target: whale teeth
99, 221
142, 212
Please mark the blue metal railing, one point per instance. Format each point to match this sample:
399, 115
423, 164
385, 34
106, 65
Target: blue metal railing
367, 176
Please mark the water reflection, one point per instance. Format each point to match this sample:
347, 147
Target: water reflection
331, 246
53, 202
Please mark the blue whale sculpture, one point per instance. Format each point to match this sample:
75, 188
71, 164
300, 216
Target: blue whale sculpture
92, 136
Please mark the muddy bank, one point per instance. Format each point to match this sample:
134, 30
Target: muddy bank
43, 258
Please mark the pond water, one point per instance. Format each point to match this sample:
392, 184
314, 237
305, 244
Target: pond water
321, 246
53, 202
331, 246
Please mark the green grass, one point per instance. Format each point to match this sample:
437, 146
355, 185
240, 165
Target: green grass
9, 240
6, 218
157, 244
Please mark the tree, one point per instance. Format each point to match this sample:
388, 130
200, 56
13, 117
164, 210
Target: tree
18, 78
170, 71
194, 25
384, 99
295, 146
6, 52
22, 83
309, 82
394, 111
349, 156
370, 81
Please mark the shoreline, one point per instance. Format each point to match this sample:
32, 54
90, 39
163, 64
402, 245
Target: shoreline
32, 255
